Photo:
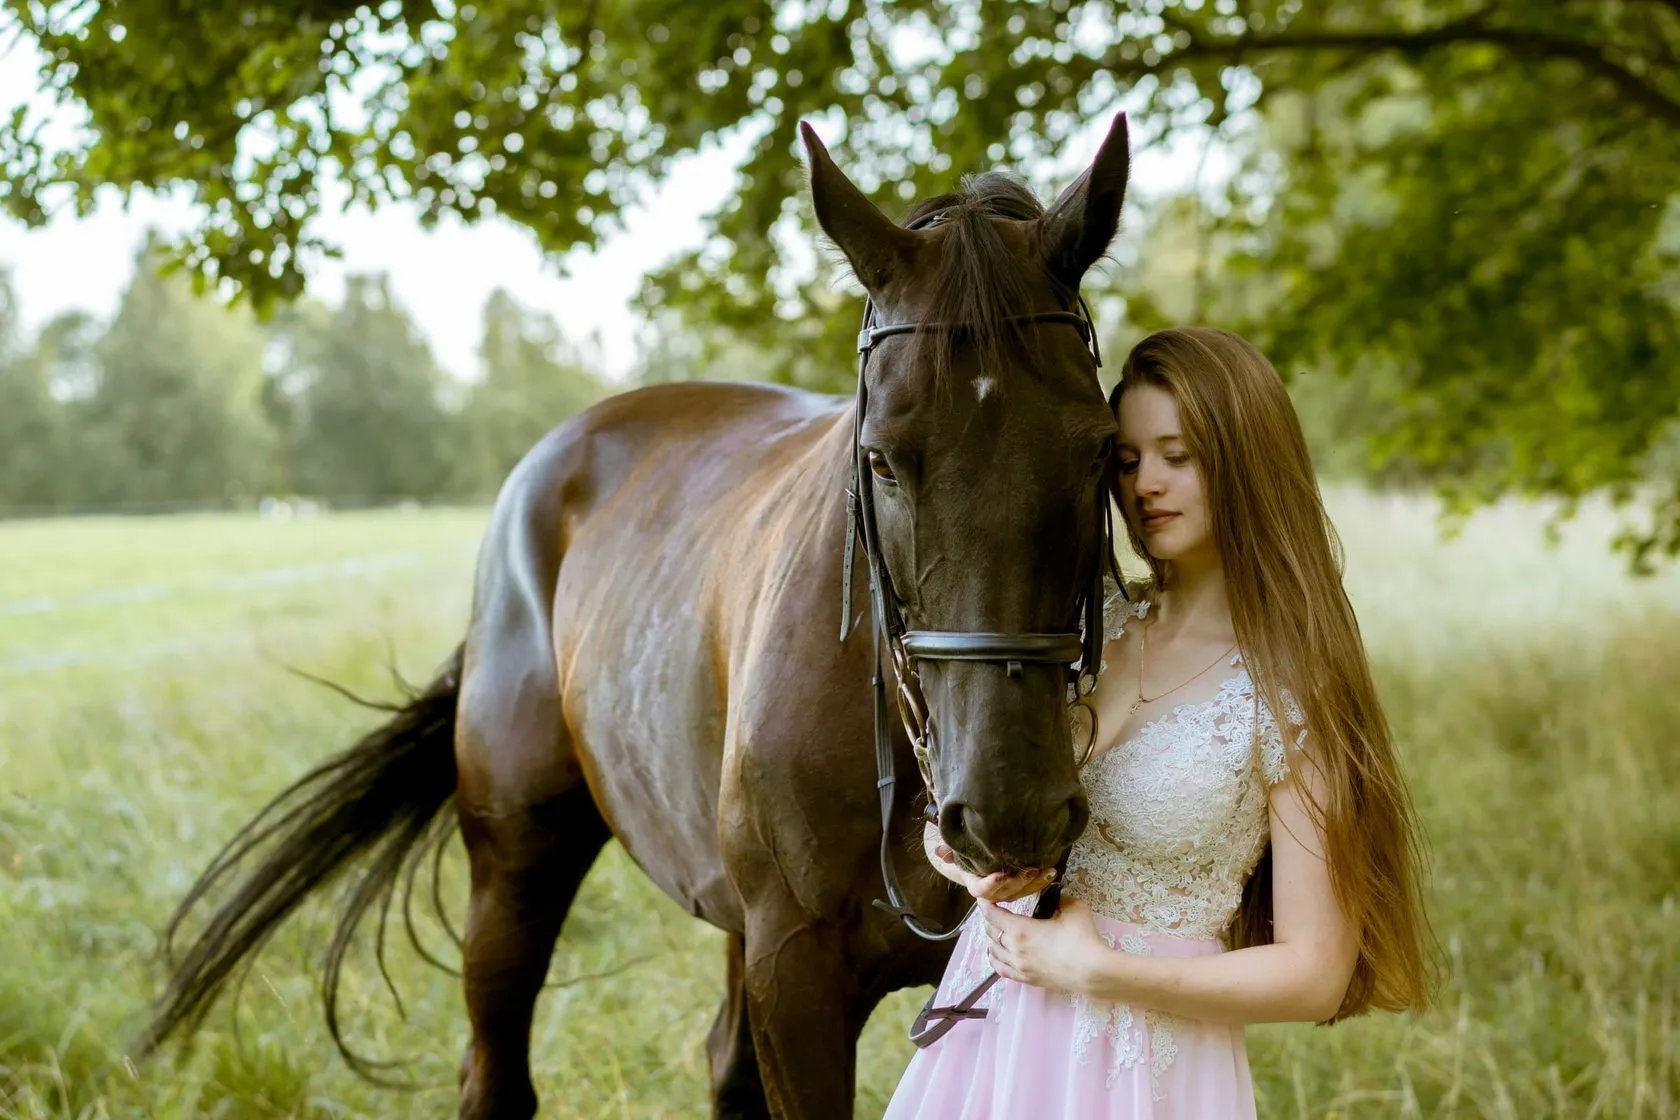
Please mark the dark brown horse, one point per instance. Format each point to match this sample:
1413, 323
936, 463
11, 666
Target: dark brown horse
653, 656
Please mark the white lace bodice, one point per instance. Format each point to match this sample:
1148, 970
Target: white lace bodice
1178, 810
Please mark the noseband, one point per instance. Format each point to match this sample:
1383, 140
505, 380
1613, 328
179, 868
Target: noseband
1079, 652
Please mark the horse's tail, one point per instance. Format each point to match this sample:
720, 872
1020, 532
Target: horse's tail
376, 806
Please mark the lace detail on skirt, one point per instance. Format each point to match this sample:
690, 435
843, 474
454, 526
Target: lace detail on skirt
1094, 1018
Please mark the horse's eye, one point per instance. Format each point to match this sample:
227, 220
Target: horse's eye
879, 468
1105, 452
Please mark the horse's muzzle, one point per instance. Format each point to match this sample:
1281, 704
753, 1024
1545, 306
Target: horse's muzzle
1009, 838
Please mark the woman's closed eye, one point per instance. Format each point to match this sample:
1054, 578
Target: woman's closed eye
1171, 458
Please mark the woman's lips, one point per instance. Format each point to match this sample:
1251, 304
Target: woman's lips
1156, 520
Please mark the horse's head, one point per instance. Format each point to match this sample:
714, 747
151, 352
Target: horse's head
986, 442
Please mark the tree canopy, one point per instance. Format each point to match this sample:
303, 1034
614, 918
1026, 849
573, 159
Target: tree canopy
1467, 204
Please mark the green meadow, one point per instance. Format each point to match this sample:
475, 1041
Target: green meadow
147, 710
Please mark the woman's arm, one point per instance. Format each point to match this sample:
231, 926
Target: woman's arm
1301, 976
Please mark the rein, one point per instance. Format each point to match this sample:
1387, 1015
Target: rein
1079, 652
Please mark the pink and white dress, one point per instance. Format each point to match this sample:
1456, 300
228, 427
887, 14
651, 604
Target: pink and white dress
1179, 820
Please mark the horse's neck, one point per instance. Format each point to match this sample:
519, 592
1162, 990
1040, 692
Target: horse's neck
798, 541
814, 502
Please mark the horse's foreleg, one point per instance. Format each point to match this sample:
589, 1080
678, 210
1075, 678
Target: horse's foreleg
737, 1088
802, 1000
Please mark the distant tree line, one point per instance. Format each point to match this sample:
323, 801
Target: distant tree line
181, 401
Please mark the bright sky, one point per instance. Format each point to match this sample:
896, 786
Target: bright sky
442, 276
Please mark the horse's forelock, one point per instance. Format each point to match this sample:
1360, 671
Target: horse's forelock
980, 281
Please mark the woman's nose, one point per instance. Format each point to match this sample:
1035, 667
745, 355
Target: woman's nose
1150, 478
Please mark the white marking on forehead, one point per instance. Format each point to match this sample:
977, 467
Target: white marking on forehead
983, 387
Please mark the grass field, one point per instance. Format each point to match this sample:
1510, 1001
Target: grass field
146, 712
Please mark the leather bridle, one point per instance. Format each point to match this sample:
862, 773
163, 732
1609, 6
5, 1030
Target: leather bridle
1080, 652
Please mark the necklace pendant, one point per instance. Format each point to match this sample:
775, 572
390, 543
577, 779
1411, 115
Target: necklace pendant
1136, 704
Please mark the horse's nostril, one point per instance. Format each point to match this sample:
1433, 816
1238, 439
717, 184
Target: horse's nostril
1079, 814
951, 818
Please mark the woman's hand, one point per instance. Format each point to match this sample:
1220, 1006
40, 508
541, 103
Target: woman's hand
1059, 953
996, 887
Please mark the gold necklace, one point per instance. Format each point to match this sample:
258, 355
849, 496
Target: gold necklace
1143, 649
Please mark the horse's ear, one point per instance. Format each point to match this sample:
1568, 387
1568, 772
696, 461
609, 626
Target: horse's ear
875, 246
1078, 228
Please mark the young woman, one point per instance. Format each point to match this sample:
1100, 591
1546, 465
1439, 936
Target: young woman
1251, 853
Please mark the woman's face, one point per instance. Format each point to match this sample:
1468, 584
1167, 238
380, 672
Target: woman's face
1161, 492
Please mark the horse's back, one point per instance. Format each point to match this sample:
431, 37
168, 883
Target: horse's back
660, 512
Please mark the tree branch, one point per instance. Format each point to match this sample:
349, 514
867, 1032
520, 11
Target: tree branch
1471, 30
1665, 31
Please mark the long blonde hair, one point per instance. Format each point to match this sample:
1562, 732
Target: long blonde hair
1296, 629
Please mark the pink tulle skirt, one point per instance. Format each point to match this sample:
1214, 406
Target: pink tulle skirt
1044, 1054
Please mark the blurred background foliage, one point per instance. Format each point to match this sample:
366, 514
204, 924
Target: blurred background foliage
1452, 223
182, 402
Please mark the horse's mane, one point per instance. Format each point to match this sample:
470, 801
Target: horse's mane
979, 282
